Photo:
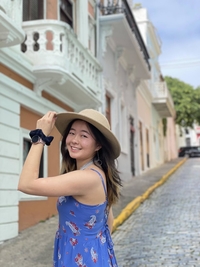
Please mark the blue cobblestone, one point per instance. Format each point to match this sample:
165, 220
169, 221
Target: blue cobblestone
165, 229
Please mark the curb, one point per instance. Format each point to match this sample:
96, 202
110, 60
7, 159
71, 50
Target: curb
135, 203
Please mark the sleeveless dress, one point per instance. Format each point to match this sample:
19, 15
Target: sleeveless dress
83, 238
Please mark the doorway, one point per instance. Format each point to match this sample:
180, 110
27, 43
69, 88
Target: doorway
132, 140
141, 147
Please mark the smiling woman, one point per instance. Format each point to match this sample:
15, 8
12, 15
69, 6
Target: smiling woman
80, 142
86, 189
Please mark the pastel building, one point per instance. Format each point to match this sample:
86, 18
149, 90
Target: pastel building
125, 62
156, 112
68, 55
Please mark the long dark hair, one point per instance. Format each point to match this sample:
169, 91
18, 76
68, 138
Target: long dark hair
103, 159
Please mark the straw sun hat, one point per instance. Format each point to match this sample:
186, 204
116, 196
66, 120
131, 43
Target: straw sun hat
93, 117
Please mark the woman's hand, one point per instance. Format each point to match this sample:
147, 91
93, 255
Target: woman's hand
46, 123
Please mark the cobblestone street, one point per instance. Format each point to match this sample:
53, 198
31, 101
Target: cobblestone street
165, 229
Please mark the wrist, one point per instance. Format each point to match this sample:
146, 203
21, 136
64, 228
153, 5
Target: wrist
37, 140
38, 137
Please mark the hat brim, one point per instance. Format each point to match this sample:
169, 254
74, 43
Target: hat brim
63, 120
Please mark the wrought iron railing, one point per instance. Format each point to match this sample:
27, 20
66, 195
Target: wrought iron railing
122, 6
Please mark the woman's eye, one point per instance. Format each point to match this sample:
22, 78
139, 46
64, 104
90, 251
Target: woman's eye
71, 133
84, 136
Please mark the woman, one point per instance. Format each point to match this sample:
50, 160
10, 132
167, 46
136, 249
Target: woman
86, 189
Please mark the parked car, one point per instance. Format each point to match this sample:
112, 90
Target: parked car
194, 152
183, 151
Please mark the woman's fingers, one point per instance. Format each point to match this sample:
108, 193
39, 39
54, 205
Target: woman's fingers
49, 114
46, 123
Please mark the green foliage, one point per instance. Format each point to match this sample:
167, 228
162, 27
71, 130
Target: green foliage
186, 100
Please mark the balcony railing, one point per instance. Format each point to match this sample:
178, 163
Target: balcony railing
13, 10
162, 100
162, 91
11, 32
122, 6
53, 45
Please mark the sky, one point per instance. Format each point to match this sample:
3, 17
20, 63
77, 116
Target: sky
177, 23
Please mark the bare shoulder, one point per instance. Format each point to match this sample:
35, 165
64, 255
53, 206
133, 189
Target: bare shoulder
94, 192
97, 172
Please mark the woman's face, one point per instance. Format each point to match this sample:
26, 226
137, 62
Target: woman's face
80, 142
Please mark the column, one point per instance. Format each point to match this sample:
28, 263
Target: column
82, 21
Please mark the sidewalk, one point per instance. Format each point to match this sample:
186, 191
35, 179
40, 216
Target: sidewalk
34, 246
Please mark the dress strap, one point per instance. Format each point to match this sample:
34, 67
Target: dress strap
102, 180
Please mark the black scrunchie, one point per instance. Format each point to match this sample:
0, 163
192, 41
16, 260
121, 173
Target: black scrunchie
46, 139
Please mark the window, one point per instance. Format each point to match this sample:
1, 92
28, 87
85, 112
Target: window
186, 131
26, 148
66, 12
108, 111
123, 128
188, 141
92, 26
147, 148
25, 145
33, 10
92, 35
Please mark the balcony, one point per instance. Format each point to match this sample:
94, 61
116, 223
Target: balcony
125, 34
197, 130
163, 101
62, 64
11, 32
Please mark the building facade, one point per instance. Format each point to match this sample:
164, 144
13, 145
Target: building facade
155, 105
68, 55
125, 62
48, 62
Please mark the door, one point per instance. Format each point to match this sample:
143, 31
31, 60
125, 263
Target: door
141, 147
132, 133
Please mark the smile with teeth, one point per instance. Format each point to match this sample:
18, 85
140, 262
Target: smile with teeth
75, 148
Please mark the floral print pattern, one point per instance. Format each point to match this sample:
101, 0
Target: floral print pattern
83, 237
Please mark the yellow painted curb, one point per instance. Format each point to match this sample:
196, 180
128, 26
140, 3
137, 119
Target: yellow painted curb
135, 203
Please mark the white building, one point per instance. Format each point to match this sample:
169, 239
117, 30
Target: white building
67, 55
55, 68
125, 62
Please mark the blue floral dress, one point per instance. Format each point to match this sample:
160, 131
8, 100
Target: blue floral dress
83, 238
